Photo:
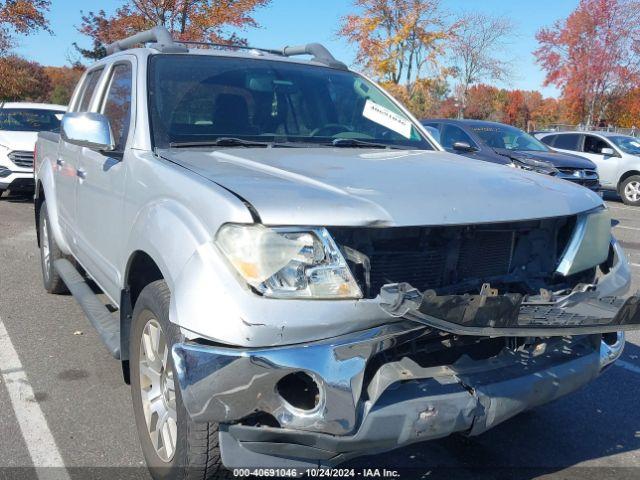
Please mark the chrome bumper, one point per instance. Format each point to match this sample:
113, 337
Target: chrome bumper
361, 412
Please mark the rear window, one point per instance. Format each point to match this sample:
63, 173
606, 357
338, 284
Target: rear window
549, 139
30, 120
567, 142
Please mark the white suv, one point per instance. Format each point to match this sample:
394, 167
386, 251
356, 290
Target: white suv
616, 156
19, 127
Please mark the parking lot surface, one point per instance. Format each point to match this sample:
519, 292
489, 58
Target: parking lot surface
63, 402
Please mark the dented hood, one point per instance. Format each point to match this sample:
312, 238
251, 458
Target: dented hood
344, 186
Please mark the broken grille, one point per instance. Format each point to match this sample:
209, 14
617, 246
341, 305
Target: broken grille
455, 259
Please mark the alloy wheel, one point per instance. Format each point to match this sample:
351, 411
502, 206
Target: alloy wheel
632, 191
157, 388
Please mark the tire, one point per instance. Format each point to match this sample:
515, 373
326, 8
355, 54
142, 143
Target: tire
49, 253
630, 191
196, 454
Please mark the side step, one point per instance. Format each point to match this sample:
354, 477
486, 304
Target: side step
100, 317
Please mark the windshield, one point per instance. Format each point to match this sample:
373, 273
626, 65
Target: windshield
30, 120
627, 144
203, 98
511, 138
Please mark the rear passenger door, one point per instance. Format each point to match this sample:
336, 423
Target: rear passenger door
101, 185
567, 142
65, 168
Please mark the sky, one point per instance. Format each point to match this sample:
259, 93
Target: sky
292, 22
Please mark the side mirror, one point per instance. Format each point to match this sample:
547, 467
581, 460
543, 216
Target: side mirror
608, 152
463, 147
87, 129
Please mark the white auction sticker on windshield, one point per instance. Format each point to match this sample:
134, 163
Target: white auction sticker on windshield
385, 117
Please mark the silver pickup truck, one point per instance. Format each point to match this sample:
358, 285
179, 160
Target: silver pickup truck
293, 273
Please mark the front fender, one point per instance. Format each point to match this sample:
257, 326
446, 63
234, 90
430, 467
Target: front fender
169, 233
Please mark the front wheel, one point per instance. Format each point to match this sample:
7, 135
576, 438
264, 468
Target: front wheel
173, 445
630, 191
49, 253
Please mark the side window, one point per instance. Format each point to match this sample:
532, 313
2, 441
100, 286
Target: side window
451, 134
548, 140
90, 83
567, 142
594, 144
117, 103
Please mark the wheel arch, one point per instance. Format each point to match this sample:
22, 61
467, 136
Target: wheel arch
625, 175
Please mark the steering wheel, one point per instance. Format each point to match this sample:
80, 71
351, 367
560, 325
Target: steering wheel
329, 130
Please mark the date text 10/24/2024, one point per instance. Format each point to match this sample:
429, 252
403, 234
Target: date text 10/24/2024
316, 472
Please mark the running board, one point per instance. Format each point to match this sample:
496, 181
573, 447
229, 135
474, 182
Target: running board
100, 317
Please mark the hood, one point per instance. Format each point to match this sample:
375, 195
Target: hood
557, 159
341, 186
18, 140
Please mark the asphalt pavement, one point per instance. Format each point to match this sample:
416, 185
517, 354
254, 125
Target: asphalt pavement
63, 401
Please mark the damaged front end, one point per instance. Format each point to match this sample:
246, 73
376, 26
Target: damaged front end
489, 321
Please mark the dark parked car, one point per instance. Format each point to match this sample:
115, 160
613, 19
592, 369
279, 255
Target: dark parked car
500, 143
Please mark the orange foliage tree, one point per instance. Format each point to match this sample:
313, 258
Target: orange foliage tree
63, 80
593, 55
196, 20
398, 42
22, 80
21, 17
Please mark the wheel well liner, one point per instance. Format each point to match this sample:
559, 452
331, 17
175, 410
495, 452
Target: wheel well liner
140, 272
37, 204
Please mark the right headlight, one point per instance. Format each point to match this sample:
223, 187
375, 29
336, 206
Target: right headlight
589, 244
288, 262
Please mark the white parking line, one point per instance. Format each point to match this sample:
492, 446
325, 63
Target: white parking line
628, 366
42, 447
627, 228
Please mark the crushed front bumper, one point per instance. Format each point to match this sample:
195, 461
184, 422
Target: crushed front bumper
372, 394
361, 412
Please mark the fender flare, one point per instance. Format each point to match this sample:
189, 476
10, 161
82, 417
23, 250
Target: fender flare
45, 178
150, 235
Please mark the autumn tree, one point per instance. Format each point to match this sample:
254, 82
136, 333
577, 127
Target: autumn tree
195, 20
547, 112
482, 102
62, 81
593, 55
400, 42
21, 17
21, 80
477, 51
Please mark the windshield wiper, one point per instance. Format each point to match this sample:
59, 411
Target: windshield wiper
355, 143
221, 142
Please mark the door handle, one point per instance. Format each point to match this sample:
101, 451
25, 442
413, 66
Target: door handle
60, 162
80, 173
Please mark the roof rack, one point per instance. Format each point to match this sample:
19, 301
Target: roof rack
166, 44
319, 52
160, 35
